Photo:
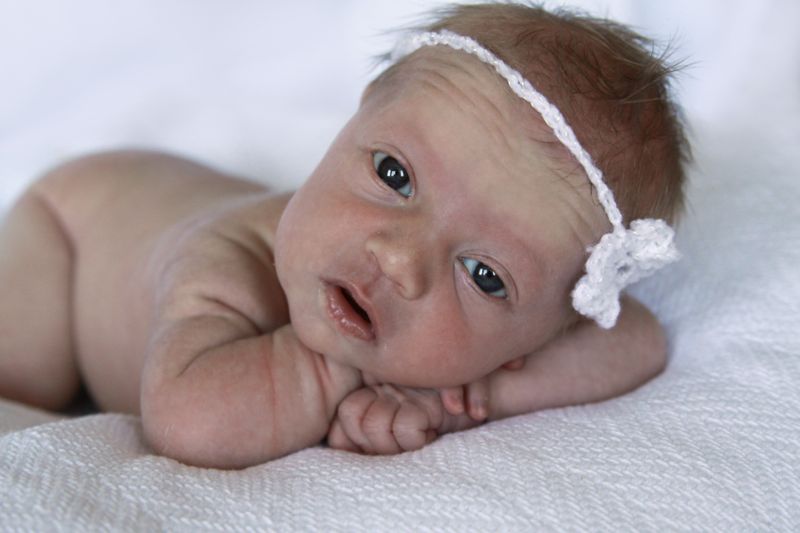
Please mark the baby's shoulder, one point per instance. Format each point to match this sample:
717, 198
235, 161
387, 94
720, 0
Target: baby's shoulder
223, 260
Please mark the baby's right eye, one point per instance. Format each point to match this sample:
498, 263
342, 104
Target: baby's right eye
392, 173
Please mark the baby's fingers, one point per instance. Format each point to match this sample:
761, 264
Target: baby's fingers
338, 439
350, 415
411, 427
453, 400
478, 399
377, 426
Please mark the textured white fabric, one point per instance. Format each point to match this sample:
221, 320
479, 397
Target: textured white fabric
623, 256
713, 444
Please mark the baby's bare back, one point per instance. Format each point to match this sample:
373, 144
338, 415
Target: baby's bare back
138, 222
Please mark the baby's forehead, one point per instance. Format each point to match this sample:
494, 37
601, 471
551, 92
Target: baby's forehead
442, 68
475, 88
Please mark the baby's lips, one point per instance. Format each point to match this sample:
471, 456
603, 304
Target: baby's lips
346, 317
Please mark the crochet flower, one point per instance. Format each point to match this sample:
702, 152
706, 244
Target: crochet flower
621, 258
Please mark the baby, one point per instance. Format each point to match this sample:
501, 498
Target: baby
429, 275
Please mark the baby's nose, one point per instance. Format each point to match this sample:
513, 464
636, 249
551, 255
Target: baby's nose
402, 258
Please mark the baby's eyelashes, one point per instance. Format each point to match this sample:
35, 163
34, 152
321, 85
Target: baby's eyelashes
392, 173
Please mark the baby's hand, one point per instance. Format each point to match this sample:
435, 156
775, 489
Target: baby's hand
473, 398
386, 419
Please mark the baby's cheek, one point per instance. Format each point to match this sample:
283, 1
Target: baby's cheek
454, 359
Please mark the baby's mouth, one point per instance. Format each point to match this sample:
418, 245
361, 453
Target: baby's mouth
350, 316
357, 308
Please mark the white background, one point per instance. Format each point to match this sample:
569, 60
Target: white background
261, 87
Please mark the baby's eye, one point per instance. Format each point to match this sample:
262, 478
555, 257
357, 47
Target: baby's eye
391, 172
485, 278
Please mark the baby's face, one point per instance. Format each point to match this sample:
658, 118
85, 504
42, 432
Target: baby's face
435, 241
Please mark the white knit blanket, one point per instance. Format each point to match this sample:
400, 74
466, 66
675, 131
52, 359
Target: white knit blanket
713, 444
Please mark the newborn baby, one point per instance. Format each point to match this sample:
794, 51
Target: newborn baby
422, 280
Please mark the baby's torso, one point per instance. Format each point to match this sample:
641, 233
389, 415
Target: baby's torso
151, 227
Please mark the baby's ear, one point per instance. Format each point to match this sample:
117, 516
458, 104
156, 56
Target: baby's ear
515, 364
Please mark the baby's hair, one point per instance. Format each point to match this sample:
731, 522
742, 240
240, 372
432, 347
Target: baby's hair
609, 84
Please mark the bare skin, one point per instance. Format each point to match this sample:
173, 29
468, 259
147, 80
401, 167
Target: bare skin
222, 312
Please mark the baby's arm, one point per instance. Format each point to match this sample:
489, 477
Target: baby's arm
219, 391
587, 364
216, 399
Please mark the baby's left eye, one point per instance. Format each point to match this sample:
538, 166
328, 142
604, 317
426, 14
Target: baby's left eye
485, 278
392, 173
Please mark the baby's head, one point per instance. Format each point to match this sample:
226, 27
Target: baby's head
443, 233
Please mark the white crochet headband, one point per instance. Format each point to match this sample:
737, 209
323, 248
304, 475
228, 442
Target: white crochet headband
623, 256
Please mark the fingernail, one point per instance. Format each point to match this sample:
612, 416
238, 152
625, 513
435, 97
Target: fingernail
479, 411
456, 407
